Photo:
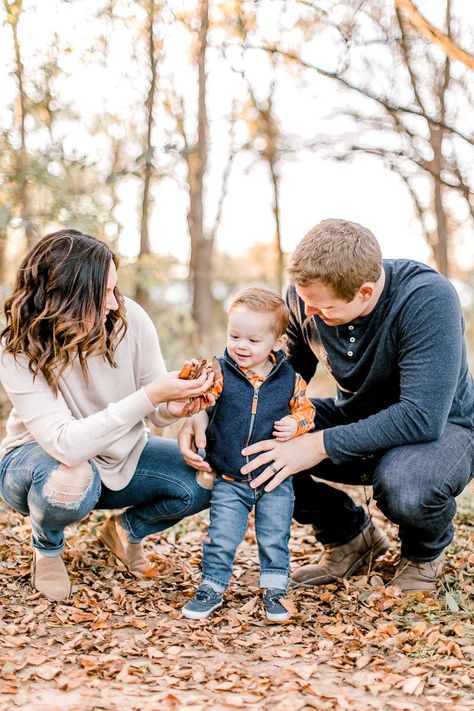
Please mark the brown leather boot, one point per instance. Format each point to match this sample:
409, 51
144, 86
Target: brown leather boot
415, 576
342, 561
113, 537
49, 576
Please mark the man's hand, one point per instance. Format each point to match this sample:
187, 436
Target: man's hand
191, 438
284, 458
285, 428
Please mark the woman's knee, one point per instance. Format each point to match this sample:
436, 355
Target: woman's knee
197, 498
69, 487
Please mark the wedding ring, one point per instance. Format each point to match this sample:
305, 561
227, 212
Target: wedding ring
274, 468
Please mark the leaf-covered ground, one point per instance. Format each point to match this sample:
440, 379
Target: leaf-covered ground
121, 642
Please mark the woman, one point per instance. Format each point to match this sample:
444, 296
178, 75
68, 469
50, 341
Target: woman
82, 367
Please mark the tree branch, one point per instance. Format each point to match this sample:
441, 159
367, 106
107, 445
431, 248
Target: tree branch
388, 105
425, 28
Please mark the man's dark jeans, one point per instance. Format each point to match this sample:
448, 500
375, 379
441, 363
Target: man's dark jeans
414, 485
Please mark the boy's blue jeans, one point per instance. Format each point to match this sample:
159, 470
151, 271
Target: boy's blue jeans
414, 486
163, 490
231, 503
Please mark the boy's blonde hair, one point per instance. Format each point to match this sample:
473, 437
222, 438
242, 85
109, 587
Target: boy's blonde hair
340, 254
264, 300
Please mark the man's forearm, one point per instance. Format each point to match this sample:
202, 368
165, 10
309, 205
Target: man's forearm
392, 427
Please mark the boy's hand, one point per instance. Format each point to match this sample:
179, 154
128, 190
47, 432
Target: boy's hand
205, 479
191, 438
285, 429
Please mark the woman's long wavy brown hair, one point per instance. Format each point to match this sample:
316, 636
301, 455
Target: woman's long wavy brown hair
55, 312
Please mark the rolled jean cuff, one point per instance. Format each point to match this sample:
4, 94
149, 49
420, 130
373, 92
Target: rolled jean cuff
274, 580
48, 552
216, 585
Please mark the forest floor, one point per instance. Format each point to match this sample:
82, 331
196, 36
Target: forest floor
122, 642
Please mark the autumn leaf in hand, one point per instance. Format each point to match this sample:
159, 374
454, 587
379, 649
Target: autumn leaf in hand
192, 371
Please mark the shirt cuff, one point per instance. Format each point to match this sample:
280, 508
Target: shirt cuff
331, 446
162, 417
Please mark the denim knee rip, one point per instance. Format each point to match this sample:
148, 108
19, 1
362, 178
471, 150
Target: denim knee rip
67, 487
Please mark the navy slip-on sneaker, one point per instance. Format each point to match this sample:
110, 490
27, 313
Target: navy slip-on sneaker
274, 610
203, 603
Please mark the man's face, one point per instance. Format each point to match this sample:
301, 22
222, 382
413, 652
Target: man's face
320, 300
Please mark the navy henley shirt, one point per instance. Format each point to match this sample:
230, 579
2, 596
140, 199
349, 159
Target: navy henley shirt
401, 371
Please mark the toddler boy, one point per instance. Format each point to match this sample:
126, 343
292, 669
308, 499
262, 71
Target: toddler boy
258, 396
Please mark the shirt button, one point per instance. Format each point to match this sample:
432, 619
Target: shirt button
350, 353
351, 328
352, 339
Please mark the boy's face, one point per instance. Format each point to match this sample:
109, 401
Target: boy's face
320, 300
250, 338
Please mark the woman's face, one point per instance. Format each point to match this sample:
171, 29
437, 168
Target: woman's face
110, 302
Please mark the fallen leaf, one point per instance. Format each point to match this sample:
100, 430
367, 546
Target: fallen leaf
413, 686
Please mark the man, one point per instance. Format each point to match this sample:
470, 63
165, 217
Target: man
391, 334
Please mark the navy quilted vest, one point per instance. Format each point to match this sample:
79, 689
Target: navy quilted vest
232, 426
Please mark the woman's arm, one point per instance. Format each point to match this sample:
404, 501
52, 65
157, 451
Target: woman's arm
70, 439
84, 419
158, 383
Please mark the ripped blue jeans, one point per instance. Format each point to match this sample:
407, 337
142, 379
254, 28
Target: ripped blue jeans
163, 490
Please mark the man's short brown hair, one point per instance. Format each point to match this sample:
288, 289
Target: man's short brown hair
340, 254
264, 300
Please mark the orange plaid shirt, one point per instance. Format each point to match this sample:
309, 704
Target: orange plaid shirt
301, 409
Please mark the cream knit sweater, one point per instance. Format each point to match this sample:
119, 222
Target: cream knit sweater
101, 420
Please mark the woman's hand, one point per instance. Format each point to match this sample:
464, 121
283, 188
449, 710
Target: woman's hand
169, 387
191, 438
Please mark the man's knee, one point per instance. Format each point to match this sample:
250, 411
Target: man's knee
67, 487
407, 494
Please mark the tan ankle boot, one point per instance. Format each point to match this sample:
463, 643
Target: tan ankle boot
49, 576
413, 576
113, 537
342, 561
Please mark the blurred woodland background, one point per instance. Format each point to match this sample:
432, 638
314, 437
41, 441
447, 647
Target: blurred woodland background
201, 139
148, 124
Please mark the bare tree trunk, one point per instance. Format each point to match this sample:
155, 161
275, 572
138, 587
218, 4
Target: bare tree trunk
3, 246
439, 240
441, 246
14, 10
276, 216
437, 135
268, 130
116, 148
201, 247
141, 286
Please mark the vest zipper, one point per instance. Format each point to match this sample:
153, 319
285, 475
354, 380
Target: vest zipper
255, 396
252, 417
